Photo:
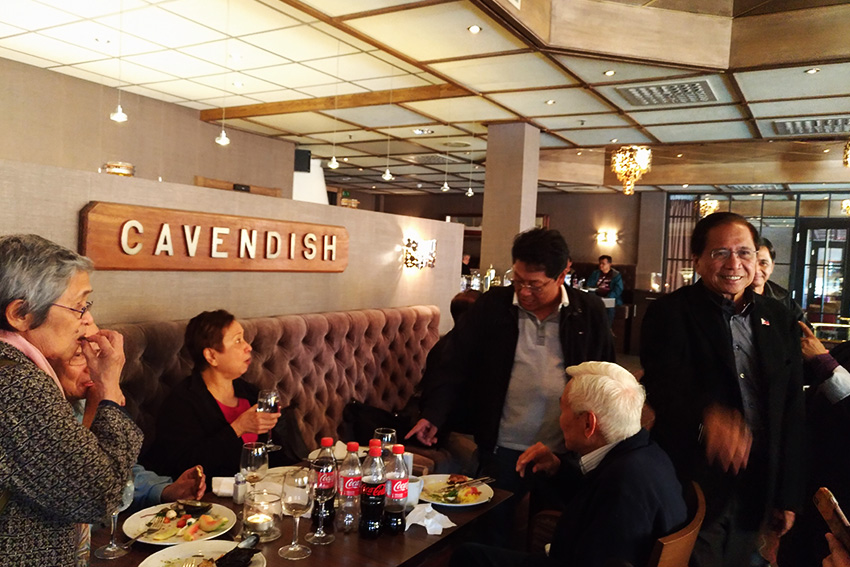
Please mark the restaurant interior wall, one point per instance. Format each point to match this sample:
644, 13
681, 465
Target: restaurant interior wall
46, 200
55, 119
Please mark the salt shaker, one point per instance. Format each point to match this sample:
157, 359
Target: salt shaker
239, 488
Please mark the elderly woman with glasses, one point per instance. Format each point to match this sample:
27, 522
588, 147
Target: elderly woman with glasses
53, 471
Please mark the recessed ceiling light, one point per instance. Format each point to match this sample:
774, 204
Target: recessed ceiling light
826, 151
813, 70
614, 140
679, 155
345, 159
685, 185
610, 73
422, 131
551, 101
359, 169
578, 153
474, 29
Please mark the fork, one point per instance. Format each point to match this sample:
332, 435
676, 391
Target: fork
153, 527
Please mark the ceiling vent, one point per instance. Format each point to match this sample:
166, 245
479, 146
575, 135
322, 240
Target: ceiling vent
697, 92
760, 188
835, 125
432, 159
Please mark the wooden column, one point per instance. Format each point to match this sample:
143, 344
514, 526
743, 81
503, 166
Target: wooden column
510, 190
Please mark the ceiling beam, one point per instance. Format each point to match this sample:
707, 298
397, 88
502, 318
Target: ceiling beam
397, 96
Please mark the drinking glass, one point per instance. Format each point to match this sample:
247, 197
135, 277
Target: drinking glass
112, 550
254, 463
296, 498
388, 439
320, 495
261, 514
269, 402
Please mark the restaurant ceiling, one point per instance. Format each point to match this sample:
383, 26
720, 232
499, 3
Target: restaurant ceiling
405, 84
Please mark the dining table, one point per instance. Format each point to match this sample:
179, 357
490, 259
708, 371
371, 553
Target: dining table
412, 548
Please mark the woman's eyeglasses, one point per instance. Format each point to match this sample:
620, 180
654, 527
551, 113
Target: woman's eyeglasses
80, 311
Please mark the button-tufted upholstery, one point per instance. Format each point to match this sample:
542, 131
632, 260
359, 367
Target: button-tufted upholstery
318, 361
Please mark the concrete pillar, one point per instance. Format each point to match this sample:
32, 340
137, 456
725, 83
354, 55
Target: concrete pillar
510, 190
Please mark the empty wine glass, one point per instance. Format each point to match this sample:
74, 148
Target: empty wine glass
112, 550
388, 439
254, 463
296, 498
269, 402
321, 494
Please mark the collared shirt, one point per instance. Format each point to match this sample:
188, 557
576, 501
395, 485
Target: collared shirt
531, 410
591, 460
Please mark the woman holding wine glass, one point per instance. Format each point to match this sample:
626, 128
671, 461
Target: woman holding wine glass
210, 415
55, 472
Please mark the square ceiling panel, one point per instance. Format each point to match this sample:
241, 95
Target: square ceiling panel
713, 87
302, 43
390, 83
93, 8
438, 32
794, 82
801, 107
128, 71
30, 15
234, 54
251, 17
505, 72
350, 136
176, 64
302, 122
552, 102
593, 71
354, 67
100, 38
293, 76
583, 121
48, 48
685, 115
605, 136
237, 83
701, 132
187, 89
335, 89
158, 26
462, 108
280, 95
377, 116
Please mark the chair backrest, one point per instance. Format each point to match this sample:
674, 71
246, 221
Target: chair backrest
674, 550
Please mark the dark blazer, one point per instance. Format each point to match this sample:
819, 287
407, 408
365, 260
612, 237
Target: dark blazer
191, 430
686, 353
622, 506
475, 365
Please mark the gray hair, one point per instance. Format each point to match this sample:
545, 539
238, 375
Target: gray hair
37, 271
612, 393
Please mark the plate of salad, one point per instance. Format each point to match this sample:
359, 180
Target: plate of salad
442, 489
180, 524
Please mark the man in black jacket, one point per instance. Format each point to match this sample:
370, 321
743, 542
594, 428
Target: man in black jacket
723, 372
503, 365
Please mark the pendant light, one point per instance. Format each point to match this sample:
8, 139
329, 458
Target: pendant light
445, 186
118, 115
387, 176
222, 139
333, 163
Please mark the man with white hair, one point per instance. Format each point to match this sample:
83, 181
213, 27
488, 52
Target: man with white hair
629, 496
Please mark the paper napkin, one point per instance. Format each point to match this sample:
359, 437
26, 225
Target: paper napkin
425, 515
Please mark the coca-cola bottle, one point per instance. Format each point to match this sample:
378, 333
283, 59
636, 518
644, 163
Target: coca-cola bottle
350, 474
324, 466
397, 479
373, 489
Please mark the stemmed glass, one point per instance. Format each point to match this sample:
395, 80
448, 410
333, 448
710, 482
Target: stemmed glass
296, 498
388, 439
112, 550
254, 463
320, 495
269, 402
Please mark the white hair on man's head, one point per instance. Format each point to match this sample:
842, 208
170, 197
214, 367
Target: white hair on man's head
612, 393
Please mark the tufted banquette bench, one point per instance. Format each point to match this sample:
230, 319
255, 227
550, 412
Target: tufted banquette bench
319, 362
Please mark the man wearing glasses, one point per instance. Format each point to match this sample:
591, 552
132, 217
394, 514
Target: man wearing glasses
504, 364
723, 372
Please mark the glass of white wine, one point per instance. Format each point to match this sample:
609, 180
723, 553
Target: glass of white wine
112, 550
296, 498
269, 402
254, 463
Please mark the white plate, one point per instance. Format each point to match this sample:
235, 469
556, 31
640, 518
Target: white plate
339, 454
436, 482
138, 522
209, 549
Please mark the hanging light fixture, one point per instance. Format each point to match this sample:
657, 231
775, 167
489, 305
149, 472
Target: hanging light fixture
445, 186
387, 176
630, 163
222, 139
333, 164
118, 115
469, 192
847, 154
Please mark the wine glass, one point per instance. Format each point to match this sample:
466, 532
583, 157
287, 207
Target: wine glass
112, 550
254, 463
388, 439
296, 498
322, 492
269, 402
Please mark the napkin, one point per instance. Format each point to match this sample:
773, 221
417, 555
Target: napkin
222, 486
425, 515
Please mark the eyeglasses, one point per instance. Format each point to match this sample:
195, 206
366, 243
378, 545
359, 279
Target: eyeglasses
533, 288
80, 311
723, 254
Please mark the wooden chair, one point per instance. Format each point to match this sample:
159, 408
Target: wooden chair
675, 549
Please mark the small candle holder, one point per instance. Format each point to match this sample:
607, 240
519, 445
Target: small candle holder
261, 515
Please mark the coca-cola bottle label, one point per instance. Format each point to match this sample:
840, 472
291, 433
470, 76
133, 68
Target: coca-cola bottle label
374, 490
398, 488
326, 480
351, 486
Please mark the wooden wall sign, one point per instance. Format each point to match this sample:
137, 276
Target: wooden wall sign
128, 237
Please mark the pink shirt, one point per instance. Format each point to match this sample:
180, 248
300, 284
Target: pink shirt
230, 414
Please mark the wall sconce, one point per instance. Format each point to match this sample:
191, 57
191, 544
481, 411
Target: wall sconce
419, 253
607, 236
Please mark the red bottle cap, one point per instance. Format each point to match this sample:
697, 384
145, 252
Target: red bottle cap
352, 446
398, 449
374, 442
327, 442
374, 451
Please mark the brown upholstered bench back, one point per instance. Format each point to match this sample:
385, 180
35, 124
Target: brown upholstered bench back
318, 361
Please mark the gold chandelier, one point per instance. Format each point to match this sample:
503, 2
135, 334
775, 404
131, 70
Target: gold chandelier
630, 163
708, 206
847, 154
